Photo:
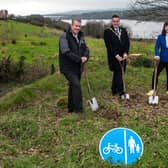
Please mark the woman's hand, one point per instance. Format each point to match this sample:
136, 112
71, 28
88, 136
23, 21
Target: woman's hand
157, 58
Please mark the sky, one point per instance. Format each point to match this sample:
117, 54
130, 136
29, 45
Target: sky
27, 7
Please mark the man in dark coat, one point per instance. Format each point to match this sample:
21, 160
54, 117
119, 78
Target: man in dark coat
73, 54
117, 44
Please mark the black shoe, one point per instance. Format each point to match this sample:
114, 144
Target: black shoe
114, 93
78, 111
70, 111
121, 94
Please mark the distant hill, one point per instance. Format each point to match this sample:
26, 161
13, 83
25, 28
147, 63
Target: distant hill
97, 14
152, 14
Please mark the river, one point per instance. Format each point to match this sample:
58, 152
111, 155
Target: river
139, 29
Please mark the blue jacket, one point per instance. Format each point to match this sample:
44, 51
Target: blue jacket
161, 49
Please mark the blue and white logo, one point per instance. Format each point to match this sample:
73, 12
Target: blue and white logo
121, 146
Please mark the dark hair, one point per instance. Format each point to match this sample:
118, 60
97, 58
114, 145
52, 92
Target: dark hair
76, 19
115, 16
163, 30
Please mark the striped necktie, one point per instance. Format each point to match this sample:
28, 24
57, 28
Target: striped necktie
117, 31
76, 37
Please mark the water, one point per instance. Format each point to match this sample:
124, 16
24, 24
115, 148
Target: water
139, 29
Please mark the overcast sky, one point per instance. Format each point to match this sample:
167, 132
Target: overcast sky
24, 7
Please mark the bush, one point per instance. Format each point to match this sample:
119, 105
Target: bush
142, 61
60, 25
62, 102
20, 67
5, 69
13, 41
41, 43
33, 72
3, 43
94, 29
21, 72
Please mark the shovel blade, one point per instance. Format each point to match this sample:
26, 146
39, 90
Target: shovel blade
125, 96
153, 100
93, 104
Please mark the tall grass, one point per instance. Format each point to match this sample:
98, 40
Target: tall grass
36, 132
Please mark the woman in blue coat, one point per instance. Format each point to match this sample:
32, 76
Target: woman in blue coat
161, 55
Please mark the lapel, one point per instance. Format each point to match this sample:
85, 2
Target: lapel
117, 34
80, 37
164, 41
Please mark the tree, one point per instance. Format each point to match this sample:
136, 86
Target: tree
149, 9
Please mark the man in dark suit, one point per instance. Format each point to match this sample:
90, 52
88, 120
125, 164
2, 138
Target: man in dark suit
117, 43
73, 54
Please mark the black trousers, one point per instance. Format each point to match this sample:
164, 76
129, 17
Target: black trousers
161, 66
117, 81
74, 93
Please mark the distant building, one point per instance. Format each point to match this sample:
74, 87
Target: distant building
3, 14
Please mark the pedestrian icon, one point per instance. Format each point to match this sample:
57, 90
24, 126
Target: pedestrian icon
121, 146
137, 148
132, 145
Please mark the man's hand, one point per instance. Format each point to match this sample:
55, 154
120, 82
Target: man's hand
84, 59
125, 56
157, 58
119, 58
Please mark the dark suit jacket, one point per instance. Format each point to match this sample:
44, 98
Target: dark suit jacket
116, 46
70, 52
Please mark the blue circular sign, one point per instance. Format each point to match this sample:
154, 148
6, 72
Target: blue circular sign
121, 146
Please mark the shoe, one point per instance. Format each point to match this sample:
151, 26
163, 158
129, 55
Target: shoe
150, 93
79, 112
114, 93
70, 111
122, 93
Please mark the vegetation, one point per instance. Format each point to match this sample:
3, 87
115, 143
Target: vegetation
35, 128
148, 10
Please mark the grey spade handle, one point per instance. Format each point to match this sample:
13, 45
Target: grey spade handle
87, 81
156, 63
122, 70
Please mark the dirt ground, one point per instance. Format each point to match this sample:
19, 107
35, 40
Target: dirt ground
137, 105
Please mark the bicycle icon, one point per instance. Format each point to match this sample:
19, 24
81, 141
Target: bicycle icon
114, 148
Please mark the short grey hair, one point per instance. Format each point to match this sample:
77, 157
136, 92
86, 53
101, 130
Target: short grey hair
76, 19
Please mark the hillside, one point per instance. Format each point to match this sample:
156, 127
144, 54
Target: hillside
35, 128
95, 14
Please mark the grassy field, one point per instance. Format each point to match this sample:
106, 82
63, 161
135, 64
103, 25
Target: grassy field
37, 132
31, 41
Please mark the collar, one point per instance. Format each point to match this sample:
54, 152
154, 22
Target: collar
117, 34
78, 35
75, 35
116, 28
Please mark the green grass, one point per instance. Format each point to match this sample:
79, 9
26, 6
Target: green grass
36, 132
11, 30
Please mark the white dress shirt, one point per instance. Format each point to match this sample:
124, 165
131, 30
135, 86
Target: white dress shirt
167, 40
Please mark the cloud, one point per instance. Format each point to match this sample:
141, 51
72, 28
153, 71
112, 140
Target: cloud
43, 6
